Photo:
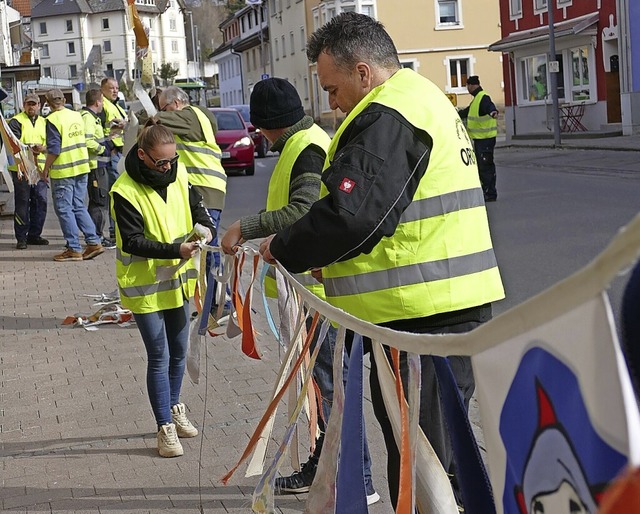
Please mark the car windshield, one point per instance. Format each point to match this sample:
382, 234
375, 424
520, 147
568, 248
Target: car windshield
229, 121
243, 110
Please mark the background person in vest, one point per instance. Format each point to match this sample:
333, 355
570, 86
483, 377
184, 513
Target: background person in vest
194, 129
67, 165
482, 128
99, 148
155, 209
114, 119
30, 209
402, 234
276, 109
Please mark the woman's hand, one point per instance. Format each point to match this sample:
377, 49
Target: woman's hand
188, 250
232, 238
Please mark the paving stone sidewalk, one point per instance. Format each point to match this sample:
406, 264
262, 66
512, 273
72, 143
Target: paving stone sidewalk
76, 430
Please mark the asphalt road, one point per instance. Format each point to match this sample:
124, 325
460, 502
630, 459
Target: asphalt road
557, 209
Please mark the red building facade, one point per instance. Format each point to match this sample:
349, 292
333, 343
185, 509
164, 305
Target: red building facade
587, 57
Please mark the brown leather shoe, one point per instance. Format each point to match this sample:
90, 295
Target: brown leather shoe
92, 251
68, 255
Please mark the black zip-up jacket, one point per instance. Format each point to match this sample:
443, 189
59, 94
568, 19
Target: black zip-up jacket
379, 162
131, 223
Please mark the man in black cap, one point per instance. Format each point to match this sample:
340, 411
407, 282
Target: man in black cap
30, 200
482, 128
276, 109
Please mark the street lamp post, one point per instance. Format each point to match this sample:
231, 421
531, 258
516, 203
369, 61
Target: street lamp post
553, 74
193, 39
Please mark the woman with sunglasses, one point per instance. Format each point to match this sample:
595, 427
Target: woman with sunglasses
155, 209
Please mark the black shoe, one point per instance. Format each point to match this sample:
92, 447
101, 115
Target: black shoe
22, 245
490, 198
37, 241
298, 482
108, 243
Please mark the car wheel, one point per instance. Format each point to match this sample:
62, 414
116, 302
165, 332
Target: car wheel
250, 171
263, 148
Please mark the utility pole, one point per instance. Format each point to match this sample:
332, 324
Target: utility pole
554, 69
193, 39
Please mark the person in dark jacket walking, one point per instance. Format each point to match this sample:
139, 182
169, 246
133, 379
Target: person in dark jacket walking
482, 127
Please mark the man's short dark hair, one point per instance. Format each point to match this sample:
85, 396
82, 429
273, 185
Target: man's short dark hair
351, 37
107, 79
92, 96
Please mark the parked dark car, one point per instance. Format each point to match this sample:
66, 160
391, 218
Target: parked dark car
261, 142
234, 141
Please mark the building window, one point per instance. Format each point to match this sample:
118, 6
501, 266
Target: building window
516, 7
174, 47
110, 68
73, 71
105, 23
44, 52
368, 9
292, 43
46, 72
284, 48
540, 5
133, 44
303, 39
71, 48
448, 12
69, 25
533, 71
150, 22
459, 70
306, 88
172, 25
107, 46
580, 89
276, 51
153, 45
409, 65
43, 28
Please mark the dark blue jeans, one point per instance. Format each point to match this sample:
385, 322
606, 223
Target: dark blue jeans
30, 208
166, 339
323, 375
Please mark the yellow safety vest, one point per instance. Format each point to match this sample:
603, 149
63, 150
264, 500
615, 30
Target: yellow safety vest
167, 222
32, 135
278, 195
73, 159
202, 158
480, 127
94, 136
113, 111
440, 258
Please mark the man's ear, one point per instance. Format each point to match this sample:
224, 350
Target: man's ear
365, 74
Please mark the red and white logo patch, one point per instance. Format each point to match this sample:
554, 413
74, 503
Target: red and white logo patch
347, 185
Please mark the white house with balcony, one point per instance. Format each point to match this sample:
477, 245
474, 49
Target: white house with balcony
86, 40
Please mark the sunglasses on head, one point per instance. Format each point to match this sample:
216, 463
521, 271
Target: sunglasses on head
159, 163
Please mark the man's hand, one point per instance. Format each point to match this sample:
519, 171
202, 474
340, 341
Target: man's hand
264, 250
317, 274
44, 175
232, 238
188, 250
494, 114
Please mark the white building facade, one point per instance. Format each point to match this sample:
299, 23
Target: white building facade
84, 41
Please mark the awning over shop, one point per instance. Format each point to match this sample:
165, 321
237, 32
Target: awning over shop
541, 34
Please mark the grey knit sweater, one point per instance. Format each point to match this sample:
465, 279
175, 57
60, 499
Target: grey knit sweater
304, 189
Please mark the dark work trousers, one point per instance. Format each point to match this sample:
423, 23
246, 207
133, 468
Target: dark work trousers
486, 167
98, 192
431, 413
112, 173
30, 209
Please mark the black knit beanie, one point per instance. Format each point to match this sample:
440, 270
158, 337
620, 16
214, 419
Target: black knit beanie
275, 104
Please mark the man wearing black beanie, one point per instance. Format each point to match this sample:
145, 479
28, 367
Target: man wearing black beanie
276, 109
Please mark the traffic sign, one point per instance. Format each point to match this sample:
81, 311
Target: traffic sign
453, 98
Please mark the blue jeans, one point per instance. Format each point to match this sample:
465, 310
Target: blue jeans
323, 375
166, 338
215, 214
68, 202
30, 208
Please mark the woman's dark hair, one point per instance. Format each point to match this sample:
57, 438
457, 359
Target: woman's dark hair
351, 37
154, 134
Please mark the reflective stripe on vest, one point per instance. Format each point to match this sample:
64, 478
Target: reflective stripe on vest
113, 111
73, 159
278, 194
480, 127
440, 258
202, 158
32, 135
165, 222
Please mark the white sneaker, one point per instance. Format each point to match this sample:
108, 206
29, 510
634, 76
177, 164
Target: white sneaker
183, 425
168, 442
373, 498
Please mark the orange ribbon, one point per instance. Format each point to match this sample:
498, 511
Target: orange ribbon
405, 495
